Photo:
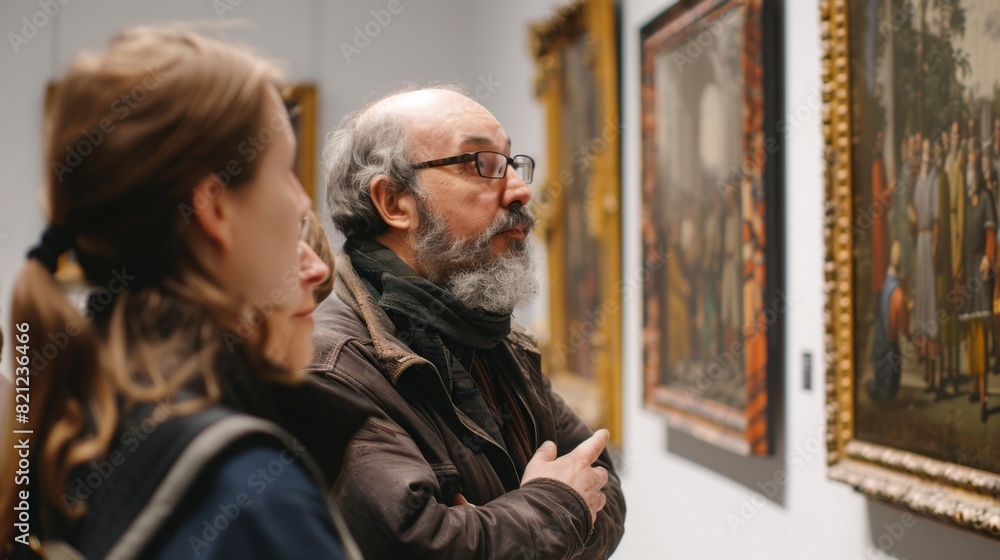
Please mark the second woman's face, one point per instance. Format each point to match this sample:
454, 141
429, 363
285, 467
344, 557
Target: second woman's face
267, 221
291, 330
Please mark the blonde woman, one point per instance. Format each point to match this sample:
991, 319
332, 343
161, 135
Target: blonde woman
169, 420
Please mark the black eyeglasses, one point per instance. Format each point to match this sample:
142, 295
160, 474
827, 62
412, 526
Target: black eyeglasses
491, 165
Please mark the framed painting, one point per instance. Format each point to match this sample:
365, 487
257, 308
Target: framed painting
712, 302
300, 100
912, 132
578, 207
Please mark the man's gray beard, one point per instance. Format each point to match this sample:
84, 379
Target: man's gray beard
470, 270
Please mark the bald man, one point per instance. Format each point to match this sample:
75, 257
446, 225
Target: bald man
473, 455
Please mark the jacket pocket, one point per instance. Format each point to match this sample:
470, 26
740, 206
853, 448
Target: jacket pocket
448, 480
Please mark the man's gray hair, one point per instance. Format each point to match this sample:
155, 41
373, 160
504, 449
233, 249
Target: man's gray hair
368, 143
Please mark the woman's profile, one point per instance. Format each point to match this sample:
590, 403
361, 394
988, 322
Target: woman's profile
170, 421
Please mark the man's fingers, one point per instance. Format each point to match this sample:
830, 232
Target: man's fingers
599, 501
591, 449
602, 476
546, 453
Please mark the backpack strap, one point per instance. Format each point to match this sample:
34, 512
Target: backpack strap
139, 499
124, 493
167, 498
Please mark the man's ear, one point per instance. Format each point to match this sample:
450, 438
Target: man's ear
398, 209
214, 210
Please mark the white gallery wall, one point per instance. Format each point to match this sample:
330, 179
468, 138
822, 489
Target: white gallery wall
686, 499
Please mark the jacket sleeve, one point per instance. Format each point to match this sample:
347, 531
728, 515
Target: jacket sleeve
394, 506
610, 525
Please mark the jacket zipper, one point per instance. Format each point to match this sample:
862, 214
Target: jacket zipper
472, 427
534, 425
524, 402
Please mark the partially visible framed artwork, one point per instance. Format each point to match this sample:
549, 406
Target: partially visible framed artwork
300, 100
912, 132
711, 206
578, 207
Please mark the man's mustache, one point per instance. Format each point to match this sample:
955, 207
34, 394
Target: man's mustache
518, 217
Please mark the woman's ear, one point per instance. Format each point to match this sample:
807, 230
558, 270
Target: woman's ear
213, 211
398, 209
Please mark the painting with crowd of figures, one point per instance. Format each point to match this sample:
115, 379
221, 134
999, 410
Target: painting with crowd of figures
913, 148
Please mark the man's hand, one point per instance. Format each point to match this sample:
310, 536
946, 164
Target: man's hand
574, 469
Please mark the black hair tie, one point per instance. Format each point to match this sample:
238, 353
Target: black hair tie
56, 240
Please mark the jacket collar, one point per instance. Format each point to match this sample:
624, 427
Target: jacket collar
391, 352
395, 356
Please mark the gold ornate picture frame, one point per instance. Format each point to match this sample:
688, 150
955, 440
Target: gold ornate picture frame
300, 99
900, 428
578, 207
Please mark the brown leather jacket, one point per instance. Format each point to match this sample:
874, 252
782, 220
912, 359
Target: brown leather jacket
407, 463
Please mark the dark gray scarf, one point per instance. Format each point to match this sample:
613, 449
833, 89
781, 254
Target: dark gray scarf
433, 323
